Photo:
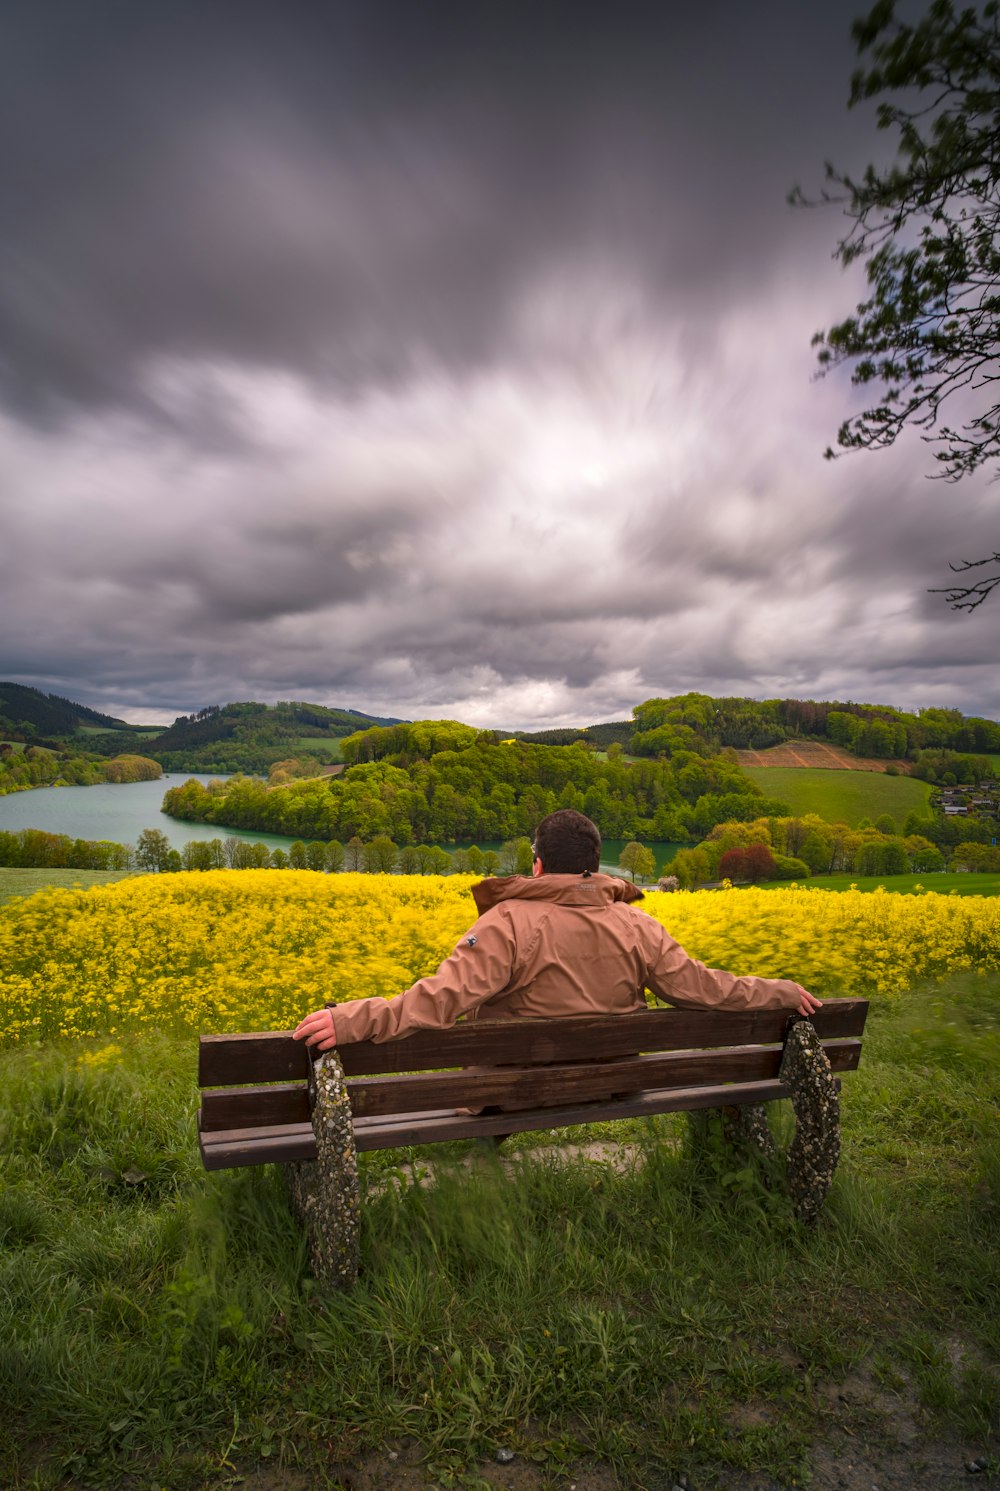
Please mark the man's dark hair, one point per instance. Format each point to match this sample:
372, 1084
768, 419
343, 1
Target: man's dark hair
567, 843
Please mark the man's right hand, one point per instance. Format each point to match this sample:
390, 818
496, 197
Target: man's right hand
317, 1029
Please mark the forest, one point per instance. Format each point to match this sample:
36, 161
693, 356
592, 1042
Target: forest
39, 766
443, 781
872, 730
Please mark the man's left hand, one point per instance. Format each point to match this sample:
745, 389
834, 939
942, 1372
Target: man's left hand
808, 1004
317, 1029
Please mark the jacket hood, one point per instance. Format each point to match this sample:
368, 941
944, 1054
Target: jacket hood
566, 890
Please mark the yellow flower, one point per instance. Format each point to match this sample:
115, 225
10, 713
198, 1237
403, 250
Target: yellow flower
254, 949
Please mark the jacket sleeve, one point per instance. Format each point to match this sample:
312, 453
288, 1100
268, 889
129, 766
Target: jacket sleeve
681, 980
480, 966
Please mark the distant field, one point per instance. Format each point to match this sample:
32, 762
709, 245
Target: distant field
818, 753
26, 882
312, 744
944, 883
132, 730
16, 745
843, 796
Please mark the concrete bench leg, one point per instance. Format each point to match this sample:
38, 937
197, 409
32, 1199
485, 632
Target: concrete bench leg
325, 1192
742, 1128
815, 1150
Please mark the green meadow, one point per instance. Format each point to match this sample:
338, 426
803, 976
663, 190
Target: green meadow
944, 882
612, 1307
843, 796
15, 882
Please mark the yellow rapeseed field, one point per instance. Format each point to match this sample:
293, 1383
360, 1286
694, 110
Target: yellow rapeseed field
255, 949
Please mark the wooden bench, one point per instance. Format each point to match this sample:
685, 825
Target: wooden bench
257, 1104
583, 1069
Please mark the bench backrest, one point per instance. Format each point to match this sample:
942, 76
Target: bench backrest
530, 1063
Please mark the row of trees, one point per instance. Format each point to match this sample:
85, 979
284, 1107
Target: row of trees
31, 848
795, 848
700, 722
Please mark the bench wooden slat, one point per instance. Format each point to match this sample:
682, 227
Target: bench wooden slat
241, 1107
236, 1148
274, 1056
263, 1107
233, 1149
546, 1086
428, 1129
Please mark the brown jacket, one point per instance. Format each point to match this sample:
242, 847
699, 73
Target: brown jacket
556, 945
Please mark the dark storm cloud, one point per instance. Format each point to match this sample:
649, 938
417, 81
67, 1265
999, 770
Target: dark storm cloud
445, 361
341, 188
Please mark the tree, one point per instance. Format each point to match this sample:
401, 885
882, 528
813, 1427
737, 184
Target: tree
379, 856
516, 857
152, 851
927, 228
759, 862
733, 864
817, 851
638, 860
237, 852
691, 867
196, 855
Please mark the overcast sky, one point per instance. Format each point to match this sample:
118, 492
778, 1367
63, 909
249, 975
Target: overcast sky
448, 360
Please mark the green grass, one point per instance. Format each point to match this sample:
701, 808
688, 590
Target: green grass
314, 745
663, 1317
15, 745
121, 730
843, 796
943, 882
14, 882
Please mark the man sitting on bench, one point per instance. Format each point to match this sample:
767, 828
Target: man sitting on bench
565, 941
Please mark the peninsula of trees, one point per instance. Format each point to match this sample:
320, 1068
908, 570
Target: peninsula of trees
439, 780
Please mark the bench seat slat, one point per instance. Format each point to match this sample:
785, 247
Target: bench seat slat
237, 1148
428, 1128
275, 1057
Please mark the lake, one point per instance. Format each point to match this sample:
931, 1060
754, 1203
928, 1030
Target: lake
120, 812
